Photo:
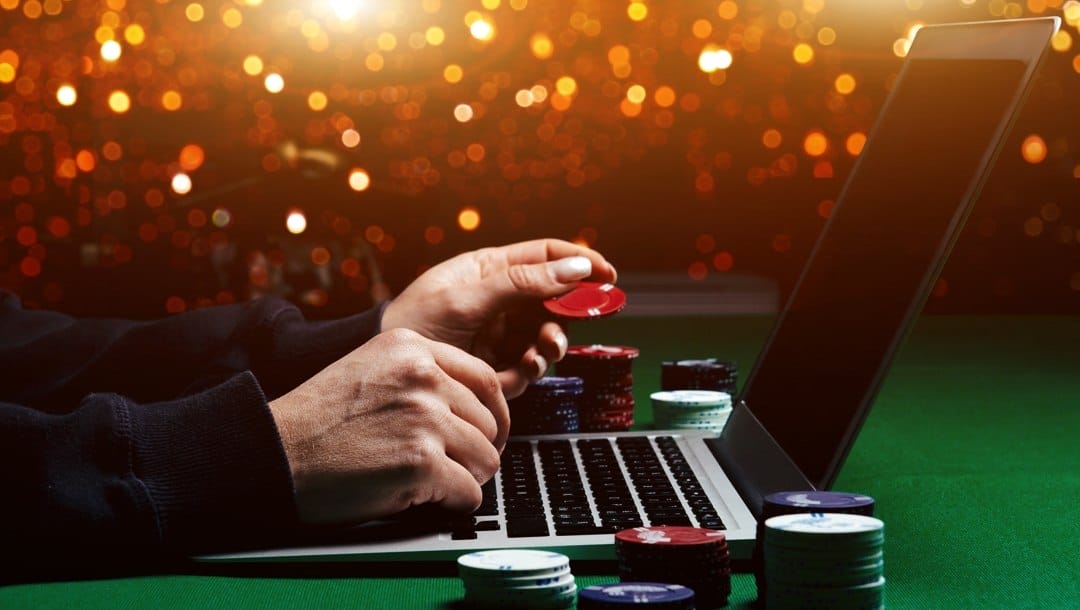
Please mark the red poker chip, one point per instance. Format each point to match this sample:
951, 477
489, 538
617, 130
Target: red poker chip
602, 352
589, 300
678, 535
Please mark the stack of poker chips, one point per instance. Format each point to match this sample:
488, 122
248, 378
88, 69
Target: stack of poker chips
702, 374
691, 409
606, 370
517, 579
548, 406
824, 560
801, 502
693, 557
653, 595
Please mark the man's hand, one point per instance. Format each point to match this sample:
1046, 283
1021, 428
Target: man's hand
401, 421
487, 302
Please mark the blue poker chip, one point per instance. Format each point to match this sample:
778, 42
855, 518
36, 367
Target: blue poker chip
787, 502
648, 594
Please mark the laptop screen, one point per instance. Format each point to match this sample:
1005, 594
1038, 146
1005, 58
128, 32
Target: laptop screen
878, 255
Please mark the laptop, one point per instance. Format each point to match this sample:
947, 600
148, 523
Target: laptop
865, 283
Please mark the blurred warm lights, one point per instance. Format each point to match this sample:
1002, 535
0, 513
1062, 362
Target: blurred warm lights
180, 183
119, 102
66, 95
803, 53
1033, 149
482, 29
541, 46
317, 101
453, 73
171, 100
815, 144
463, 113
194, 12
844, 83
253, 65
854, 143
637, 11
346, 9
296, 222
350, 138
468, 219
713, 58
274, 82
191, 157
359, 180
110, 50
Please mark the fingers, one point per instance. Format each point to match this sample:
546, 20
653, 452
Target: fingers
544, 250
458, 488
552, 342
479, 378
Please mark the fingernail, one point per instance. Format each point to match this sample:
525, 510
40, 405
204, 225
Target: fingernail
541, 365
571, 269
562, 342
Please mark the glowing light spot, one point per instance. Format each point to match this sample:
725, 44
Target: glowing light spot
566, 86
119, 102
317, 101
192, 157
1062, 41
845, 83
636, 94
541, 46
855, 143
723, 261
435, 36
346, 9
66, 95
701, 28
463, 113
7, 72
296, 222
253, 65
232, 18
482, 30
539, 93
434, 235
350, 138
359, 180
815, 143
713, 58
523, 98
1033, 227
221, 218
803, 53
468, 219
637, 11
771, 138
826, 36
111, 50
171, 100
194, 12
475, 152
453, 73
697, 271
664, 96
727, 10
274, 82
180, 183
1033, 149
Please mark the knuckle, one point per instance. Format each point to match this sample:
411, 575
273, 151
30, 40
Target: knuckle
401, 336
524, 277
421, 457
418, 371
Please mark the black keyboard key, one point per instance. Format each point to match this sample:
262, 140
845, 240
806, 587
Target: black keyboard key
520, 528
487, 526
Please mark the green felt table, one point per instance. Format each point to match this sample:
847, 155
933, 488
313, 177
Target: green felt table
972, 452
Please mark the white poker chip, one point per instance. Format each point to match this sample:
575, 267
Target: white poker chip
829, 524
691, 398
520, 562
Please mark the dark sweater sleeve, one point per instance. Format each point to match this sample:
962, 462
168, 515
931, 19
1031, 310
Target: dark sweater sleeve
50, 361
118, 434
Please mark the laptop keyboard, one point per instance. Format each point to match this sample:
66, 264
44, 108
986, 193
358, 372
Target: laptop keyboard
591, 486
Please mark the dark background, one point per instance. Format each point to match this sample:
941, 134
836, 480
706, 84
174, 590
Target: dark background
688, 189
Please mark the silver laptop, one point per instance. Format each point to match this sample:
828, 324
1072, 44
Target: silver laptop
801, 408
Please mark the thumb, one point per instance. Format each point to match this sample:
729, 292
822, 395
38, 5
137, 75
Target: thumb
539, 280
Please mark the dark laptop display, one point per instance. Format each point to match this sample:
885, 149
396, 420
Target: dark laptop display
879, 255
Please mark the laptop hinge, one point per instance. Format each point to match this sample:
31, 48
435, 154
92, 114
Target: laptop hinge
754, 461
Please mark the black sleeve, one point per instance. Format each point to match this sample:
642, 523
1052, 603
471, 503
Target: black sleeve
117, 478
156, 435
50, 361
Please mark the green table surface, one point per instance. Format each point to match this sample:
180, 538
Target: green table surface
972, 452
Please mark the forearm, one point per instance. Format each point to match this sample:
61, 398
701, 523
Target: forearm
50, 361
203, 473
